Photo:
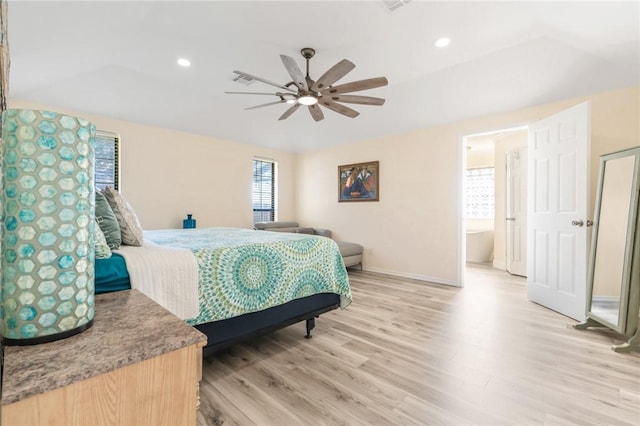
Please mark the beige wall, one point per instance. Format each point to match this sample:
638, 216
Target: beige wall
166, 174
413, 230
479, 224
478, 159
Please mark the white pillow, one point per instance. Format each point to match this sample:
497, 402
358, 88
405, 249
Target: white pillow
130, 228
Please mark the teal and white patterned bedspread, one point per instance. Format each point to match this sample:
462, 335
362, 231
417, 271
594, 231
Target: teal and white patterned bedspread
243, 270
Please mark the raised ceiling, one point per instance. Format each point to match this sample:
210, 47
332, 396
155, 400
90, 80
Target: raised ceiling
118, 59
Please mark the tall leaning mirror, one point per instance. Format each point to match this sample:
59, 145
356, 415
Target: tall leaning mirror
614, 266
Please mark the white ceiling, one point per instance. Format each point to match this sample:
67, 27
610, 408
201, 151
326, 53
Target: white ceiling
118, 59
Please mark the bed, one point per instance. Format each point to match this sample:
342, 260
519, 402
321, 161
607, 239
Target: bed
243, 282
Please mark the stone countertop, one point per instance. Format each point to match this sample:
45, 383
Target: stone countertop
128, 327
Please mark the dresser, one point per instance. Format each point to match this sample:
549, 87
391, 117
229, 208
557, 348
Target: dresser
137, 365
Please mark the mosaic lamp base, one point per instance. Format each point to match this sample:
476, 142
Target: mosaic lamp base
47, 254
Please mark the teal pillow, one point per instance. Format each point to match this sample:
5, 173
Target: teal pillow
108, 222
102, 248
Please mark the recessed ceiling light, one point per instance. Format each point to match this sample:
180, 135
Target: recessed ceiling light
442, 42
184, 62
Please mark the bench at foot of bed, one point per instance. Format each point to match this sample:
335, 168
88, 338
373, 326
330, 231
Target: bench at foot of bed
225, 333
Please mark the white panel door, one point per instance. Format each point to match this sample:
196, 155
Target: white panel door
516, 211
557, 211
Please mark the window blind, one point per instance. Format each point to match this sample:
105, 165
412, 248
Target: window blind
107, 148
263, 193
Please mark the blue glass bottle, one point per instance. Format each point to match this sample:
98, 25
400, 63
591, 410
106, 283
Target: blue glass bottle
189, 222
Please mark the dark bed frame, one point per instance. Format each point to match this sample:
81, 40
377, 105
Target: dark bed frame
225, 333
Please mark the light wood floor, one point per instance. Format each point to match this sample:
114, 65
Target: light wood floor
407, 352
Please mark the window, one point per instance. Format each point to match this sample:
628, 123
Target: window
264, 188
480, 202
107, 149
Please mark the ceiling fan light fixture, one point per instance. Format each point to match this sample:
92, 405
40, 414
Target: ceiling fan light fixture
184, 62
318, 94
442, 42
308, 100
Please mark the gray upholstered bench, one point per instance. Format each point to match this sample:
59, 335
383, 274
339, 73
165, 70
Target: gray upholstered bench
351, 252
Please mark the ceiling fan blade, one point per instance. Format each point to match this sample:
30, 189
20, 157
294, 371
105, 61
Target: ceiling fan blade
356, 86
256, 93
294, 72
333, 74
290, 111
316, 112
264, 105
344, 110
354, 99
265, 81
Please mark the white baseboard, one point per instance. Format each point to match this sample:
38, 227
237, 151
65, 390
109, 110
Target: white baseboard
434, 280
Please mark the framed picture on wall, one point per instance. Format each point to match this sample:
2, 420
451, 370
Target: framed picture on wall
359, 182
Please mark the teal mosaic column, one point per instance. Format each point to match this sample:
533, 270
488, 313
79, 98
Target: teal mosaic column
47, 255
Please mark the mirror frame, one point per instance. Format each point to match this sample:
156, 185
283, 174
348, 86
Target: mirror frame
629, 291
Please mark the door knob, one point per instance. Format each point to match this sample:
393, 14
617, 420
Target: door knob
577, 222
509, 218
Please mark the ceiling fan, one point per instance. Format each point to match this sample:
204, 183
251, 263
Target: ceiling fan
303, 91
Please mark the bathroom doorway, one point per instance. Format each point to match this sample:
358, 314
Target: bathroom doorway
479, 202
491, 236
